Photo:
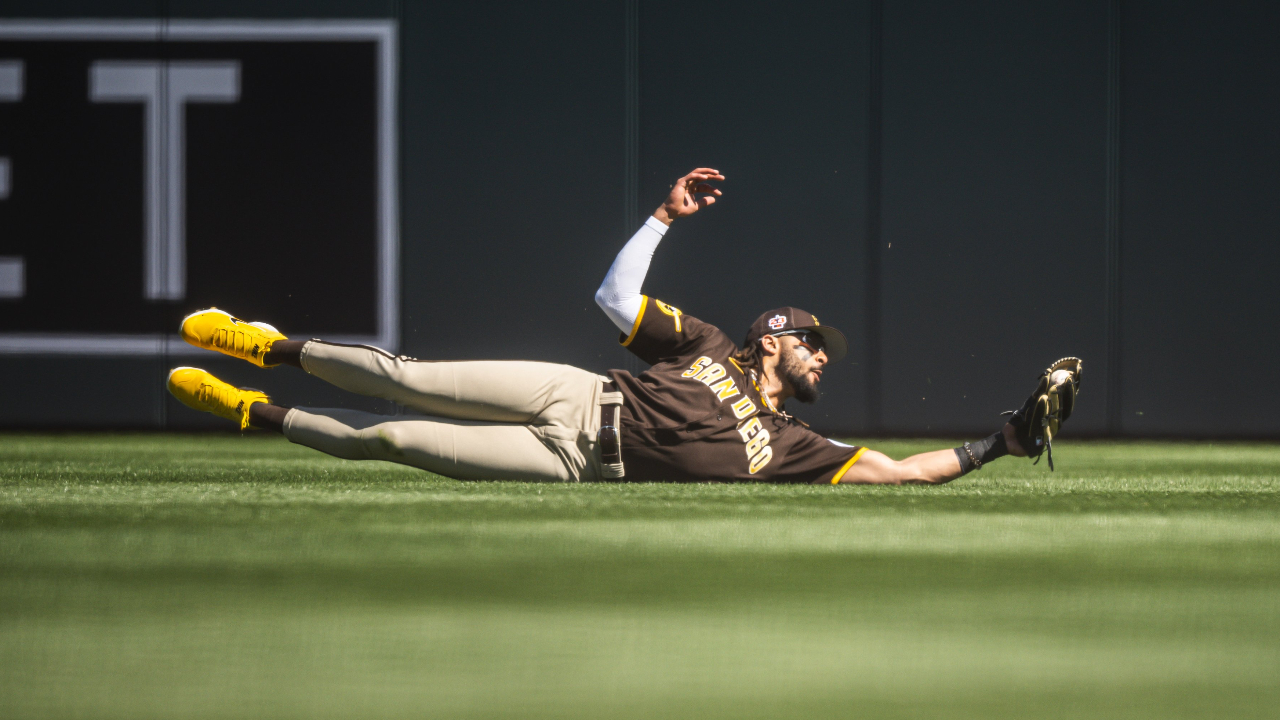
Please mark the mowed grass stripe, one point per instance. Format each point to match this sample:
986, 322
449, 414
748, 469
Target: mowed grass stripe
223, 576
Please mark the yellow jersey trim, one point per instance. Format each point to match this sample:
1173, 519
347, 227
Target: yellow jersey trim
644, 302
735, 364
836, 478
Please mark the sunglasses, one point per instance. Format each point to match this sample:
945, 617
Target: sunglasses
808, 338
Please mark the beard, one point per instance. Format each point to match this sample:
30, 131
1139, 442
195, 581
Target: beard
793, 372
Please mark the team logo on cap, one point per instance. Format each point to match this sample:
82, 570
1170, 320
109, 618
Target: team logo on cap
777, 322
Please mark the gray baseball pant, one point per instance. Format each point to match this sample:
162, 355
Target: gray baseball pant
481, 420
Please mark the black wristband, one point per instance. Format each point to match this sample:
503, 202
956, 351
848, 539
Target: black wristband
973, 456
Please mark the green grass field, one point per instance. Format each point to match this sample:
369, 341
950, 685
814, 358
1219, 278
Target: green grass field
157, 576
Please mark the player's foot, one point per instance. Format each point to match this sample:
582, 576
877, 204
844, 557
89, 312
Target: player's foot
215, 329
1037, 422
200, 390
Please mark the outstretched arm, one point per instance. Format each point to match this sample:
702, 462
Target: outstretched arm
619, 294
931, 468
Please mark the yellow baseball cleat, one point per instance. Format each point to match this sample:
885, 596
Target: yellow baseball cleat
200, 390
215, 329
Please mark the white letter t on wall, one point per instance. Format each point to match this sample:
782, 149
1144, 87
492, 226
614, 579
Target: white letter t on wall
164, 88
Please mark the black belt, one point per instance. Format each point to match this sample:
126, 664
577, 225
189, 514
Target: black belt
610, 436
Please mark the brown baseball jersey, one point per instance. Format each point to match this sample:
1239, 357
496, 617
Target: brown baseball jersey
695, 415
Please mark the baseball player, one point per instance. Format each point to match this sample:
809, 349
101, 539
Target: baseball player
705, 410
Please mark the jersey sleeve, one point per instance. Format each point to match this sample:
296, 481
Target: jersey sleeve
662, 333
815, 459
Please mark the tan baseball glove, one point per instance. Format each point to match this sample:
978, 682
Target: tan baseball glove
1037, 422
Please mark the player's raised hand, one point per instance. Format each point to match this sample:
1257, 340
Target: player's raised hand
690, 194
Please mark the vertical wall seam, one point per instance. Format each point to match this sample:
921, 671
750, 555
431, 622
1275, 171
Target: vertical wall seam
874, 271
164, 313
1115, 330
401, 50
631, 126
631, 133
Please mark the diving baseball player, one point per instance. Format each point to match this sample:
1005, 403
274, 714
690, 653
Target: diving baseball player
707, 409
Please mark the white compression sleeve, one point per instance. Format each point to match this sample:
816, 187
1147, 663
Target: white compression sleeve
619, 294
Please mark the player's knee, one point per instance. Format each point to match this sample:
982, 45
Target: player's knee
390, 367
387, 441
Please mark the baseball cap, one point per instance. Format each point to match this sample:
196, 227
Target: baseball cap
788, 318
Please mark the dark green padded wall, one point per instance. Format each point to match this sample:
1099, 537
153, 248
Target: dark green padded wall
969, 191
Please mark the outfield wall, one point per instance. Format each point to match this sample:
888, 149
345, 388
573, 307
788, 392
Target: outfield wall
969, 191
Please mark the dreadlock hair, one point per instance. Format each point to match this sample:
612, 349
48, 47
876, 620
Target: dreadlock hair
751, 357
